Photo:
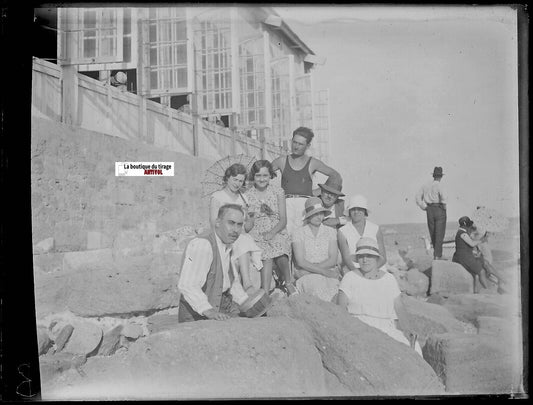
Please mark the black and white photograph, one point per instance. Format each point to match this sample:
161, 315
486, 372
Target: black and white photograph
277, 201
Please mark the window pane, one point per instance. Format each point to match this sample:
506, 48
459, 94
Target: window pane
126, 49
153, 80
181, 30
89, 19
153, 56
182, 77
89, 48
181, 54
153, 33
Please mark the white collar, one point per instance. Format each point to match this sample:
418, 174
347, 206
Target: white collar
221, 245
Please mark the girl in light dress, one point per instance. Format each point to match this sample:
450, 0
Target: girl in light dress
246, 253
370, 294
267, 202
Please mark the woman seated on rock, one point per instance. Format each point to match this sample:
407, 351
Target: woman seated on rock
370, 294
314, 247
464, 254
245, 250
358, 226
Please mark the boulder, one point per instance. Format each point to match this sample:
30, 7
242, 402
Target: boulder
43, 340
238, 358
498, 326
132, 331
468, 307
424, 319
474, 364
109, 288
84, 339
364, 359
51, 365
63, 337
44, 246
110, 341
418, 283
98, 240
450, 278
161, 322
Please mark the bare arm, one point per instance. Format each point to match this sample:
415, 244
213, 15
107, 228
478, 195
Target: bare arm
381, 245
278, 164
420, 200
345, 251
214, 205
342, 300
319, 166
282, 223
331, 261
298, 249
469, 240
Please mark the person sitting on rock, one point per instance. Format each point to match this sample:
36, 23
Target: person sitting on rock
464, 254
371, 294
209, 286
315, 252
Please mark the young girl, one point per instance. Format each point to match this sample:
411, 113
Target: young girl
270, 218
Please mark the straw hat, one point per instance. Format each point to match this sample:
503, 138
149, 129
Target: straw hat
367, 246
313, 205
356, 201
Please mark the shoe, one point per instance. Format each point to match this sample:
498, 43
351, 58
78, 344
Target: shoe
291, 289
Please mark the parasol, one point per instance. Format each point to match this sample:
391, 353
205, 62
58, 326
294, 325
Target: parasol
214, 176
489, 219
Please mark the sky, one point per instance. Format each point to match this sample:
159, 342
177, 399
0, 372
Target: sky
412, 88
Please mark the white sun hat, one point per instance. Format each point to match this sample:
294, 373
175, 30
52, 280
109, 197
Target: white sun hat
358, 201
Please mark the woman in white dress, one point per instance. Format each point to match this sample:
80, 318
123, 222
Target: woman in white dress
246, 253
370, 294
359, 226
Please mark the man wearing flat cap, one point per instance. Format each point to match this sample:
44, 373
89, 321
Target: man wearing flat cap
432, 199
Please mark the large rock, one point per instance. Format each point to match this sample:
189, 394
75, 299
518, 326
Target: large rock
43, 340
109, 287
238, 358
450, 278
51, 365
364, 359
110, 341
63, 337
418, 283
468, 307
160, 322
475, 364
424, 319
85, 338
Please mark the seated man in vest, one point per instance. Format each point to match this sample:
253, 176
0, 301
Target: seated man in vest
209, 287
297, 170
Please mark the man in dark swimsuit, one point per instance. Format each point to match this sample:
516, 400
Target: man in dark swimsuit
297, 170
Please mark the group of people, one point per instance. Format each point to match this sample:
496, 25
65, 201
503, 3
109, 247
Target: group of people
471, 241
298, 233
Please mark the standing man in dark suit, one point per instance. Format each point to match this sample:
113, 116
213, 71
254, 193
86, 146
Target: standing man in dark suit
432, 199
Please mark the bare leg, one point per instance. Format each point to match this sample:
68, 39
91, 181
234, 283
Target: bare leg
283, 265
476, 284
266, 275
483, 278
244, 270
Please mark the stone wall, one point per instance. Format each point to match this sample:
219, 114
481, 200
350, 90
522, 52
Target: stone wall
86, 222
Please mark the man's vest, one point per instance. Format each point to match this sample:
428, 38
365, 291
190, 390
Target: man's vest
212, 286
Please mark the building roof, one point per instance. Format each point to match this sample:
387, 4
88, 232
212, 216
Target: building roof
287, 32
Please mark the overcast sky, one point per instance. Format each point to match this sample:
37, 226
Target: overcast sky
418, 87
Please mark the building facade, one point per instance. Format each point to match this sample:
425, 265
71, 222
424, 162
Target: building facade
242, 67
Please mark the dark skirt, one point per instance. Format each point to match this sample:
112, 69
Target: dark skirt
472, 264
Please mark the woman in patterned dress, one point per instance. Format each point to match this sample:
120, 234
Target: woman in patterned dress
267, 201
315, 253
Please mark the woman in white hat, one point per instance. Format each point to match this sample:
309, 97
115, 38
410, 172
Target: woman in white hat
370, 294
314, 248
358, 227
